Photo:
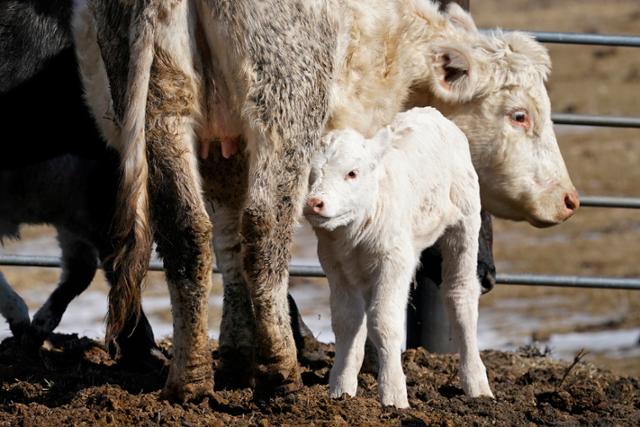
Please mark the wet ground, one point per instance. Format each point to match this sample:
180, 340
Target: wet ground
74, 382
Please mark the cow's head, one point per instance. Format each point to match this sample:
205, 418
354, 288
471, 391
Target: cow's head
493, 87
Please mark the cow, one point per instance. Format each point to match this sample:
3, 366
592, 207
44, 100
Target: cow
375, 204
62, 174
60, 171
268, 79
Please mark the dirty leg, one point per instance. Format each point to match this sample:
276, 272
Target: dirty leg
183, 231
79, 264
225, 187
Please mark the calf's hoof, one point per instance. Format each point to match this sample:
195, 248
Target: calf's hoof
275, 380
475, 383
394, 393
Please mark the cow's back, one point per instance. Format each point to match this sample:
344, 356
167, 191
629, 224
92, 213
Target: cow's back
30, 33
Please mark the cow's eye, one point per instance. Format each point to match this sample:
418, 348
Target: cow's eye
352, 175
520, 118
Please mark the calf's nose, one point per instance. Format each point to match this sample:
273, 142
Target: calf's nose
315, 204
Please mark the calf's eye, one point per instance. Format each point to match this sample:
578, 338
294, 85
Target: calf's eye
352, 175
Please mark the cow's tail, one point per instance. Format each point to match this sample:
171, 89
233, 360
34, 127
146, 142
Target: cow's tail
132, 220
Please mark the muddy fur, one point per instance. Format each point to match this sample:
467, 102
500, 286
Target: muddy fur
183, 229
280, 136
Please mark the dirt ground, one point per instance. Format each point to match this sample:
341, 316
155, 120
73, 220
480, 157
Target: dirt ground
74, 382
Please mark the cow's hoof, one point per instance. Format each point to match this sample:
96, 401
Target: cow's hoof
236, 370
149, 360
19, 329
233, 378
277, 381
191, 392
31, 339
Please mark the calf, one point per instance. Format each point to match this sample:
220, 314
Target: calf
75, 195
375, 205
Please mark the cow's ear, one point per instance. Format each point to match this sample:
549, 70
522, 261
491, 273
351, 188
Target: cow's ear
453, 73
380, 143
460, 18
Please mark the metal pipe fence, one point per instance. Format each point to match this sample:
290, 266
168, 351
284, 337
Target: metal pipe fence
586, 38
302, 270
594, 120
591, 39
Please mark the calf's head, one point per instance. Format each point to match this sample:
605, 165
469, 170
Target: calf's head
493, 87
343, 182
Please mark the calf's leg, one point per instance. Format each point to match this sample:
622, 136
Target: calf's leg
348, 321
385, 319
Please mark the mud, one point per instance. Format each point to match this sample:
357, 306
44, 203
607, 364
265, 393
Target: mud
73, 381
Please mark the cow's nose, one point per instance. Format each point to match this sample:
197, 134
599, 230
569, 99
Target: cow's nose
571, 200
315, 204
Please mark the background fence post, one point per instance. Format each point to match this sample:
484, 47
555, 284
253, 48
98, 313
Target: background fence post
427, 322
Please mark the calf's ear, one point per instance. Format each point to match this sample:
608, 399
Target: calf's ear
454, 73
380, 143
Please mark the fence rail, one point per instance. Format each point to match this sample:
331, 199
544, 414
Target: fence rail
592, 39
586, 38
301, 270
610, 202
595, 120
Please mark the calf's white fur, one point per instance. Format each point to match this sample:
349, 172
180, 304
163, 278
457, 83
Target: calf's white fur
375, 204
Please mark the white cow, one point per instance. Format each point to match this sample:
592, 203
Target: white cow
375, 204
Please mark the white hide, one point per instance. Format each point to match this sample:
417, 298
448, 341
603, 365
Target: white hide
375, 204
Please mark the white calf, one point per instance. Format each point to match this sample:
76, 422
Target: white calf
375, 204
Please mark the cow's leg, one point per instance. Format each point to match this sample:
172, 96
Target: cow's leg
79, 264
13, 308
182, 228
461, 293
385, 324
183, 235
225, 186
307, 345
348, 321
273, 204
